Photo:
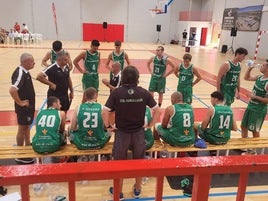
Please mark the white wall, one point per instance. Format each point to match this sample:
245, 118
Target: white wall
134, 14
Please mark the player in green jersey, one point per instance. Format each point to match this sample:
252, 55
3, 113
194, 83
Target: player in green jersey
91, 59
149, 138
218, 123
159, 73
177, 127
228, 79
186, 73
52, 55
118, 55
257, 107
87, 130
50, 124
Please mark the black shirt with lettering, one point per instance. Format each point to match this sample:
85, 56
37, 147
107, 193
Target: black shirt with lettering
129, 103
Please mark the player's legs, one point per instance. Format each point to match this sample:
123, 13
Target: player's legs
244, 132
160, 99
23, 135
25, 117
138, 142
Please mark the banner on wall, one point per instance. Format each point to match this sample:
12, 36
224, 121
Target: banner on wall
229, 18
249, 18
244, 19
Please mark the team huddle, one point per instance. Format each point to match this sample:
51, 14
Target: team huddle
131, 112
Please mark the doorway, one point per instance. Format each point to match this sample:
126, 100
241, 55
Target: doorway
204, 31
192, 36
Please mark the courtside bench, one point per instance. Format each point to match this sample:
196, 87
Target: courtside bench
9, 152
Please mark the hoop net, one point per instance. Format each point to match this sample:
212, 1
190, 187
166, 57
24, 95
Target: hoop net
159, 7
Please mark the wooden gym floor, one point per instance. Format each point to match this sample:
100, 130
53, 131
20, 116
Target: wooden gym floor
206, 59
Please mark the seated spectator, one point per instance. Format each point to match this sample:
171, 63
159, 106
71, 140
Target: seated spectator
3, 35
50, 124
17, 38
11, 36
177, 127
218, 123
17, 27
87, 129
24, 29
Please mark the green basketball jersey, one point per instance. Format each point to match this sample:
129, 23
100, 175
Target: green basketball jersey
47, 138
90, 133
221, 123
120, 58
92, 62
230, 79
159, 66
149, 138
186, 76
182, 123
259, 89
53, 56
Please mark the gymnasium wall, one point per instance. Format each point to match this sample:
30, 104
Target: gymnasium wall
139, 26
134, 15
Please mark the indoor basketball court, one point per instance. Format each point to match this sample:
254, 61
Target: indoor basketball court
149, 24
138, 53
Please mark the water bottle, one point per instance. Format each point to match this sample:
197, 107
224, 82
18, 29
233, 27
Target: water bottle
250, 63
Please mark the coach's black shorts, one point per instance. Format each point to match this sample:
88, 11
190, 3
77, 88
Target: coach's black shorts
25, 115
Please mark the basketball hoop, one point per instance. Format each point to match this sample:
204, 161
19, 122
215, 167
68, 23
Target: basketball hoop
155, 11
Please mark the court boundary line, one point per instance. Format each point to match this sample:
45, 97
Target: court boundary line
225, 194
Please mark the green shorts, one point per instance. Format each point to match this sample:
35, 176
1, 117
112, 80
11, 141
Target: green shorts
253, 120
187, 93
209, 137
47, 144
174, 139
228, 96
90, 80
157, 84
84, 143
149, 138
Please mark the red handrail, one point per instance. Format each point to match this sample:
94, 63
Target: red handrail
201, 167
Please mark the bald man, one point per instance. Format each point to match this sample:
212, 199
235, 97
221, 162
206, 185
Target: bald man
177, 127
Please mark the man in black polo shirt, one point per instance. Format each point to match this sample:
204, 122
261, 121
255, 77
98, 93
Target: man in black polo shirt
57, 77
23, 94
129, 102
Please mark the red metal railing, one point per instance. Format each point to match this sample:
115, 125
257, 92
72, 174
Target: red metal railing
201, 167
